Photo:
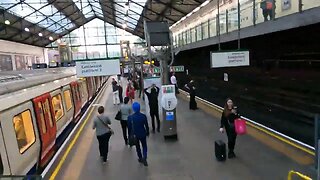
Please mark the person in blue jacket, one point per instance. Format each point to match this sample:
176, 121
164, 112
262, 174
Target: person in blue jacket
138, 127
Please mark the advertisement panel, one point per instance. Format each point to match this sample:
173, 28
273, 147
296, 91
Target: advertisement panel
5, 63
229, 59
20, 62
97, 68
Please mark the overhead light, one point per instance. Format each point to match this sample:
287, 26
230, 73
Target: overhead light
40, 34
125, 18
7, 22
183, 18
196, 9
189, 14
51, 38
58, 41
124, 25
26, 29
205, 3
126, 6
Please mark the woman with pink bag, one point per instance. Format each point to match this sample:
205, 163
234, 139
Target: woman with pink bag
228, 118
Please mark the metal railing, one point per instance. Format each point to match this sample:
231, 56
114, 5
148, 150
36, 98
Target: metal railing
301, 176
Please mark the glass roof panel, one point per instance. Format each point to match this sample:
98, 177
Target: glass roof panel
7, 3
132, 7
86, 8
22, 10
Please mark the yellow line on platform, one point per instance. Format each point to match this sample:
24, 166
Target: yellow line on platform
65, 155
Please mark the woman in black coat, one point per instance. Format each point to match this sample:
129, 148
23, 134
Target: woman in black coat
192, 92
229, 114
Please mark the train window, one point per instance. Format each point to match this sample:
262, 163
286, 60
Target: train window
57, 107
24, 130
46, 109
67, 97
42, 121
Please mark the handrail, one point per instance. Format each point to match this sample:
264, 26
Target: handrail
289, 140
302, 176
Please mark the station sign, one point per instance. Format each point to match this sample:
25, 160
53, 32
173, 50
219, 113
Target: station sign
97, 68
176, 68
229, 59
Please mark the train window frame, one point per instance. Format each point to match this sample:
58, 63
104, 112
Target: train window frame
23, 150
70, 99
51, 123
43, 124
61, 105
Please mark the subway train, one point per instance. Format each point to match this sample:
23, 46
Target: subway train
38, 109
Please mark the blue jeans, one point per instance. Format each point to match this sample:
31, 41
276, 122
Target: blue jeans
143, 142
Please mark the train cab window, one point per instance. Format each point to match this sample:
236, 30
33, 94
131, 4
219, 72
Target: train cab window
57, 107
46, 109
67, 97
42, 121
24, 130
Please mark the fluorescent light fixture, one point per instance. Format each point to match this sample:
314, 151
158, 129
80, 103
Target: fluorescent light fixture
125, 18
51, 38
205, 3
7, 22
196, 9
56, 81
27, 29
183, 18
40, 34
189, 14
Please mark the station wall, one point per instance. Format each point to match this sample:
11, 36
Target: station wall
17, 56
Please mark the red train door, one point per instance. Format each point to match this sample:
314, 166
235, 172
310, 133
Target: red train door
76, 98
47, 127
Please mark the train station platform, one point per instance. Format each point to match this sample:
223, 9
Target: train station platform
191, 157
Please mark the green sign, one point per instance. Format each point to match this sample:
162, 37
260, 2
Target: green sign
156, 70
176, 68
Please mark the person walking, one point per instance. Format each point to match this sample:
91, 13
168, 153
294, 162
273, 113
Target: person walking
268, 9
125, 110
139, 130
120, 90
173, 81
115, 92
192, 91
102, 124
229, 114
130, 92
153, 105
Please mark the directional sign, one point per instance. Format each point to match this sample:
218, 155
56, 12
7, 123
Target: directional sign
156, 70
176, 68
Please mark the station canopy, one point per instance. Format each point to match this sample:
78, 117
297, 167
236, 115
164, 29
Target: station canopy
40, 22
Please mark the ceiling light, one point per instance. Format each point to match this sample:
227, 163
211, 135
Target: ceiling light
26, 29
51, 38
205, 3
58, 41
126, 7
196, 9
125, 18
124, 25
7, 22
40, 34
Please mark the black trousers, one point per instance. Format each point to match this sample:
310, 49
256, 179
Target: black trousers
154, 113
193, 103
266, 13
124, 126
232, 136
104, 145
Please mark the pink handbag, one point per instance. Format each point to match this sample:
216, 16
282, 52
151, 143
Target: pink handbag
240, 126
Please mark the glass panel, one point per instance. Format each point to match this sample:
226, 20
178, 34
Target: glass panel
233, 18
21, 64
286, 7
96, 6
42, 121
22, 10
23, 127
193, 35
223, 22
188, 36
57, 107
67, 97
46, 109
96, 52
246, 14
113, 50
199, 33
205, 30
307, 4
259, 12
213, 27
7, 3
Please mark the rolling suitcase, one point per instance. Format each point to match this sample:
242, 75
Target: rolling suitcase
220, 150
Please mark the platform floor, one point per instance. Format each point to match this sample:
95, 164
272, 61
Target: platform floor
191, 157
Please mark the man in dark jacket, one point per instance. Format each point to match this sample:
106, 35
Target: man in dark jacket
115, 92
138, 127
153, 105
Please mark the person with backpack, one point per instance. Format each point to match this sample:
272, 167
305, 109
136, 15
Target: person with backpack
138, 132
102, 124
153, 105
229, 115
